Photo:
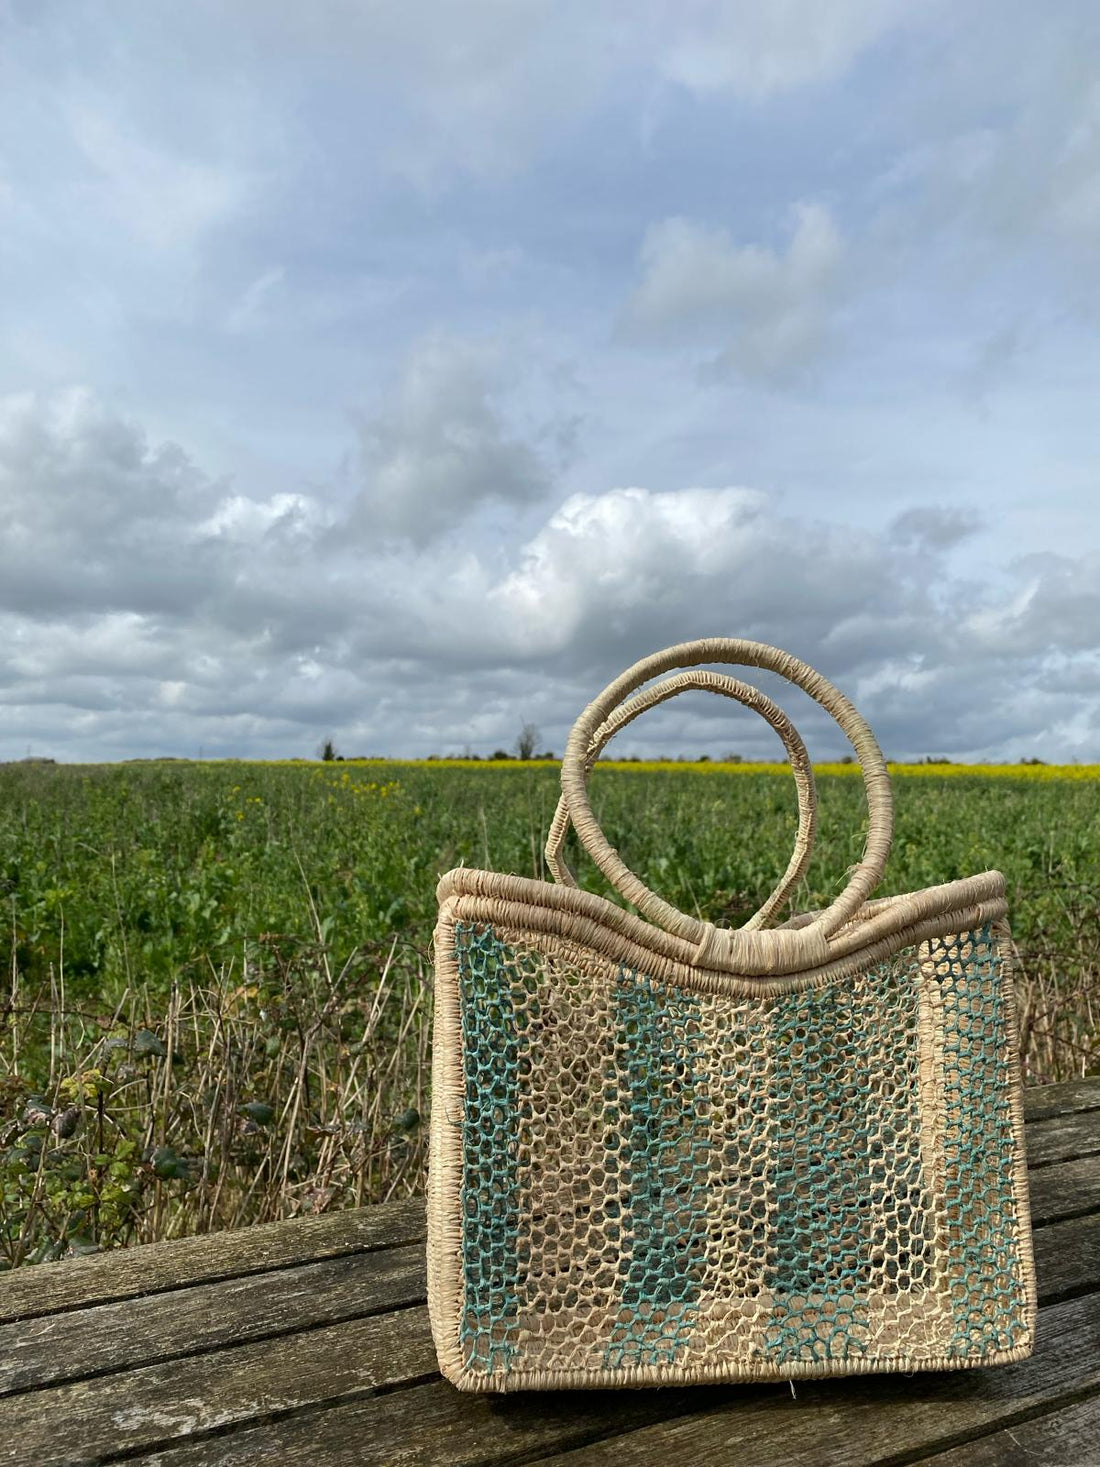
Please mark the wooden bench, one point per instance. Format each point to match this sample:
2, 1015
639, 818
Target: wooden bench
308, 1342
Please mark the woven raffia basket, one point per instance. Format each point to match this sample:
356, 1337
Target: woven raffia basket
676, 1153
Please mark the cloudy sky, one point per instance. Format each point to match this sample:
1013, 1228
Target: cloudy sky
400, 372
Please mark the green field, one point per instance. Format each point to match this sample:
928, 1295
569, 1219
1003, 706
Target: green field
218, 975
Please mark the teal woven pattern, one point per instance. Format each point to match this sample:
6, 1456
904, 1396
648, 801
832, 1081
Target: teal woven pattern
654, 1175
662, 1160
979, 1145
822, 1203
490, 1201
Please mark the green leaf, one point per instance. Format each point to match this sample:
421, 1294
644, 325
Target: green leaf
146, 1042
169, 1165
259, 1111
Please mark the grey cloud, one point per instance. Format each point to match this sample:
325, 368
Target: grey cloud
933, 527
439, 447
994, 360
90, 508
1076, 676
1057, 605
436, 646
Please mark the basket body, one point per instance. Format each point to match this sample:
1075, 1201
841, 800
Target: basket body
667, 1153
644, 1173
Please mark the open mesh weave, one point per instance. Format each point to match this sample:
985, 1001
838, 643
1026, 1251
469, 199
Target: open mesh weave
653, 1175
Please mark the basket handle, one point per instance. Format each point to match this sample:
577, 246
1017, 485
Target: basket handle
767, 951
712, 682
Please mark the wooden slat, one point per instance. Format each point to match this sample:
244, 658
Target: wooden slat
437, 1426
129, 1333
1063, 1138
110, 1337
73, 1283
102, 1417
873, 1419
459, 1428
195, 1395
76, 1282
325, 1369
855, 1420
1041, 1101
1067, 1438
1068, 1189
1067, 1258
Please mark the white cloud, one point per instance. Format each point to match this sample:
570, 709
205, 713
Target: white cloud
250, 521
771, 308
758, 51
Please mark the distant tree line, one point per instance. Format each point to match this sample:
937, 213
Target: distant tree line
529, 738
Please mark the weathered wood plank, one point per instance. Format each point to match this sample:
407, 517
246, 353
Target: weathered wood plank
872, 1419
1041, 1101
1067, 1189
228, 1387
1067, 1438
93, 1420
1063, 1138
437, 1426
127, 1333
48, 1288
111, 1337
857, 1420
73, 1283
444, 1421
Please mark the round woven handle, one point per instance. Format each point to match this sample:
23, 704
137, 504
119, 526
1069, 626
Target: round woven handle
782, 950
729, 687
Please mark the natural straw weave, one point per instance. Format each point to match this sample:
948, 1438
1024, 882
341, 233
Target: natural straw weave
675, 1153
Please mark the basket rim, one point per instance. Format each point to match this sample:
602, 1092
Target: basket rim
877, 931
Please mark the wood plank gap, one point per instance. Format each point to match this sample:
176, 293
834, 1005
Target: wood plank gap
165, 1401
668, 1404
1041, 1166
109, 1338
966, 1438
1071, 1189
1062, 1138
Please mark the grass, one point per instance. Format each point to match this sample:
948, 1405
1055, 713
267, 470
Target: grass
218, 976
